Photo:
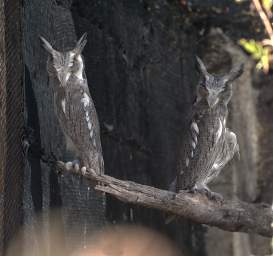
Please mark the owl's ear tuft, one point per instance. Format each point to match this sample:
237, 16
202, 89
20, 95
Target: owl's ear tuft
47, 45
235, 72
202, 67
81, 43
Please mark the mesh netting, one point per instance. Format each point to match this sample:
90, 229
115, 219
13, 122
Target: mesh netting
11, 121
80, 211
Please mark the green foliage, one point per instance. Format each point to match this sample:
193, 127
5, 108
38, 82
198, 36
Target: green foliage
267, 4
257, 51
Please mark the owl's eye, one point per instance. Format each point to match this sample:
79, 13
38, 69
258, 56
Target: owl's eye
202, 91
71, 63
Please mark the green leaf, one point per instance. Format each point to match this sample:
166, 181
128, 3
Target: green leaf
267, 4
265, 58
258, 52
254, 48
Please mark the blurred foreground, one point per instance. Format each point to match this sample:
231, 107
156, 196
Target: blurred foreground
115, 240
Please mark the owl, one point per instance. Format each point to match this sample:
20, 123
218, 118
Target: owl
74, 107
211, 145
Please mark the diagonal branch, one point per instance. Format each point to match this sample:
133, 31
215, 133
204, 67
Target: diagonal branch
235, 216
264, 19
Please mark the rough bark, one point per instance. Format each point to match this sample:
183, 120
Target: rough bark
230, 215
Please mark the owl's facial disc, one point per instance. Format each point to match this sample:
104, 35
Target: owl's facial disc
63, 78
212, 98
78, 66
213, 86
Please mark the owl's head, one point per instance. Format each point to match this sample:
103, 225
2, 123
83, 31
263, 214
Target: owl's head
65, 64
213, 88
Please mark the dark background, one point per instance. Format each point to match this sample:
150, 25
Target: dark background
140, 65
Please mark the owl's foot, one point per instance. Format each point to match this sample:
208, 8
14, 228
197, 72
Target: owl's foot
215, 197
84, 170
73, 166
204, 190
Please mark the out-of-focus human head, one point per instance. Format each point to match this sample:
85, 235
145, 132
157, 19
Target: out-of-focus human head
37, 239
129, 241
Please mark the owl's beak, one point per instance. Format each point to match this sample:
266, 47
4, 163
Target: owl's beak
212, 100
63, 79
63, 84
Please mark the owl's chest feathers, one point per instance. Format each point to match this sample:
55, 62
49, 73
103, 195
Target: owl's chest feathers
68, 98
76, 113
59, 101
207, 135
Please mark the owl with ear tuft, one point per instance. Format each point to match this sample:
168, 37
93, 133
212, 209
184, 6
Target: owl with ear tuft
211, 144
74, 106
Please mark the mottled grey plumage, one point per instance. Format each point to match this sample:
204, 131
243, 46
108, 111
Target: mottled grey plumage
212, 145
74, 106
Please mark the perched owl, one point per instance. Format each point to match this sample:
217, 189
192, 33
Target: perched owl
212, 145
74, 106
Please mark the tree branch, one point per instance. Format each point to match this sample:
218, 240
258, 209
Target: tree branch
264, 19
235, 216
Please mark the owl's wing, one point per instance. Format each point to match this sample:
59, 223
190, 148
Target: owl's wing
84, 129
201, 151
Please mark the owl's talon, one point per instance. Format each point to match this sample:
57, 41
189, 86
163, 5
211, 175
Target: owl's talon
68, 166
76, 167
203, 190
208, 193
83, 170
185, 191
218, 198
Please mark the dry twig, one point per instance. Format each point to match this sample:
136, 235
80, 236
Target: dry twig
264, 19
